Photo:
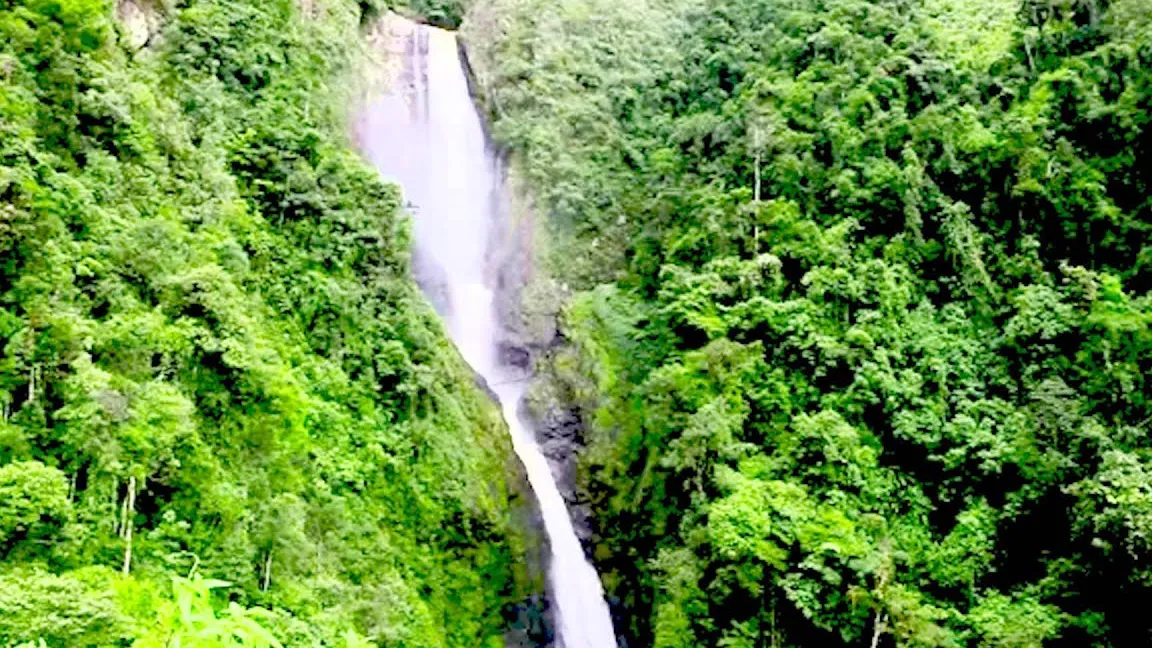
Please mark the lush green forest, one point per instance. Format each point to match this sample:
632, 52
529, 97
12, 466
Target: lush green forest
859, 329
228, 417
856, 319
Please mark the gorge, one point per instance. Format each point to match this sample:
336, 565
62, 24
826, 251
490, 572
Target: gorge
426, 135
836, 313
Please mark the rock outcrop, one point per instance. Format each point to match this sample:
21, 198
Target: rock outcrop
142, 21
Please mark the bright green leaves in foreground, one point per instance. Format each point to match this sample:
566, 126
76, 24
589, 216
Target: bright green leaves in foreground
864, 328
33, 500
214, 361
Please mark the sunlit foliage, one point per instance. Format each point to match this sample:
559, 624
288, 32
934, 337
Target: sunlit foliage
214, 361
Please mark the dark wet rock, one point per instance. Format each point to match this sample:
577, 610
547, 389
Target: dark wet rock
514, 355
560, 435
529, 624
482, 384
619, 620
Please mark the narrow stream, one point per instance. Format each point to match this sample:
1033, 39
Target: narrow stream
427, 135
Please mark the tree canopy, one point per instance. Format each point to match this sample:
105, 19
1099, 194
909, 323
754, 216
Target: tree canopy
228, 416
860, 328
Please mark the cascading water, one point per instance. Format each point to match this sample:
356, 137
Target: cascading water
426, 134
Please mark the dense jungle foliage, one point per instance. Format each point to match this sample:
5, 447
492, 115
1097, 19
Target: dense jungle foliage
229, 419
860, 331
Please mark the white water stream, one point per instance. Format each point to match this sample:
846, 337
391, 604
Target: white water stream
427, 135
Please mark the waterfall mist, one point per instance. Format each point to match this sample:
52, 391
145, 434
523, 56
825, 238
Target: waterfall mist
427, 135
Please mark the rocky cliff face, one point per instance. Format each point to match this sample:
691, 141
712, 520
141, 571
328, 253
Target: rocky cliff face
141, 20
530, 300
396, 46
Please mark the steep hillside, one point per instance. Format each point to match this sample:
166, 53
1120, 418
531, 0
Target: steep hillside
860, 330
215, 366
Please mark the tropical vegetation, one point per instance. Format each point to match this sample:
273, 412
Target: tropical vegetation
228, 416
859, 327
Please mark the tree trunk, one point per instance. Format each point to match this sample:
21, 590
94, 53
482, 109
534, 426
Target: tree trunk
267, 572
756, 189
879, 627
129, 511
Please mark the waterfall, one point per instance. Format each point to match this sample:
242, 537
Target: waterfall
427, 135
